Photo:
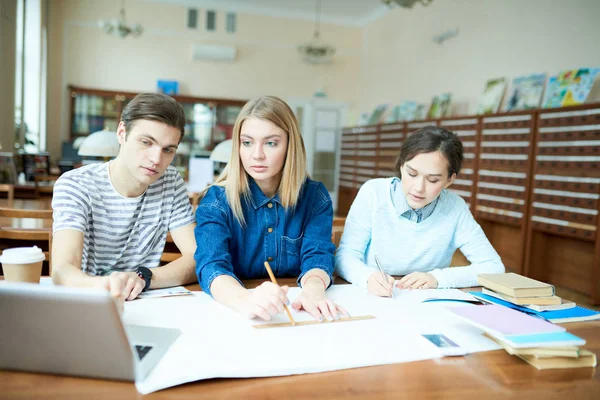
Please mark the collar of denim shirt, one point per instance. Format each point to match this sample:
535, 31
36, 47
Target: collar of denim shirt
401, 205
258, 198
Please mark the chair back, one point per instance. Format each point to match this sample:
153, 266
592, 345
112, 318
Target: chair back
27, 235
41, 188
10, 192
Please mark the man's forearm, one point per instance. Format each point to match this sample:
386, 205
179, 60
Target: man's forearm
70, 275
178, 272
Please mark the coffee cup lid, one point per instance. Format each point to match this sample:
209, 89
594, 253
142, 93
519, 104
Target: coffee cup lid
22, 255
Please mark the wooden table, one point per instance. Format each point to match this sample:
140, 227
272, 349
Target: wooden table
487, 375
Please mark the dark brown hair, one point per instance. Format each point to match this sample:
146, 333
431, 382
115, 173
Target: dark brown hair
430, 139
155, 107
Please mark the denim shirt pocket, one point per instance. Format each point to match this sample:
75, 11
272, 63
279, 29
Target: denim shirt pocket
290, 255
148, 236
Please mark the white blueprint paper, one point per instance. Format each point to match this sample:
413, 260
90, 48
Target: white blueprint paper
218, 342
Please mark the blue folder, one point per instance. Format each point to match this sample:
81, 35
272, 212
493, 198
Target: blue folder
574, 314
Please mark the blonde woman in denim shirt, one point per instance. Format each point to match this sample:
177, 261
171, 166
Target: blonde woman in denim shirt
264, 207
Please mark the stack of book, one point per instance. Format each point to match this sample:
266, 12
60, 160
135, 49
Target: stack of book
531, 297
522, 291
539, 342
551, 357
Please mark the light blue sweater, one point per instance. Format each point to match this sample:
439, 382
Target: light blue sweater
374, 226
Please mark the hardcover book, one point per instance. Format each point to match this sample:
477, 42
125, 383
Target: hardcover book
543, 300
586, 359
515, 285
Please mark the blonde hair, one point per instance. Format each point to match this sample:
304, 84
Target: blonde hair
234, 177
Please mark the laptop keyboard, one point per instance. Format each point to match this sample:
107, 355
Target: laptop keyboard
142, 351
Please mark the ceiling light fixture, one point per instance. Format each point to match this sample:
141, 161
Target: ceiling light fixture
406, 3
119, 26
315, 51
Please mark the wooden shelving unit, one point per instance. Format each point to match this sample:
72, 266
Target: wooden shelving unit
531, 179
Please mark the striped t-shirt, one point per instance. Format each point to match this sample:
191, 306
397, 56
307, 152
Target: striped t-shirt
120, 233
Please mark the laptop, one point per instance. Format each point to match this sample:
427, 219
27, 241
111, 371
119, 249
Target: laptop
73, 331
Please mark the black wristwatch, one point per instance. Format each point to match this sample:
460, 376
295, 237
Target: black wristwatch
146, 275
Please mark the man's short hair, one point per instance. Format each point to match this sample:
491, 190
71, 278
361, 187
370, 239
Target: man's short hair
155, 107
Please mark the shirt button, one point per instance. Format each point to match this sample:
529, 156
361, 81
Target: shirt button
270, 259
270, 205
270, 230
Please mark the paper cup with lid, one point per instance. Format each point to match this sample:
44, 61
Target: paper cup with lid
22, 264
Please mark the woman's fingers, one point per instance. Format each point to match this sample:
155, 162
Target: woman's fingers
384, 285
313, 310
325, 311
342, 311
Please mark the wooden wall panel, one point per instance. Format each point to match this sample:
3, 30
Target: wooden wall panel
505, 164
566, 199
468, 130
532, 179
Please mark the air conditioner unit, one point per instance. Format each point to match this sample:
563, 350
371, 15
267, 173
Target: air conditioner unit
213, 52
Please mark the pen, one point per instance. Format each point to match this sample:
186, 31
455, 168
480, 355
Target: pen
287, 310
383, 274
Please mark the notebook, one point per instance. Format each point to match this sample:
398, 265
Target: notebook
515, 285
586, 359
559, 351
551, 339
565, 304
545, 300
575, 314
503, 321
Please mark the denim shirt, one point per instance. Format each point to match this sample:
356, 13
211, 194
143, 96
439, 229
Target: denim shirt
293, 241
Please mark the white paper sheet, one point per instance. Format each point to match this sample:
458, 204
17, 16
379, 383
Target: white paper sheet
218, 342
421, 295
165, 292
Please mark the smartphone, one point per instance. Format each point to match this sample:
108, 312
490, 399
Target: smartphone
446, 346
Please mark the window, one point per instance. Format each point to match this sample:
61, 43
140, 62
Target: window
211, 21
230, 23
30, 77
192, 18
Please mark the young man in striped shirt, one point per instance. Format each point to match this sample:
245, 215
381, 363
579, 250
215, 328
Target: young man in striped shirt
111, 220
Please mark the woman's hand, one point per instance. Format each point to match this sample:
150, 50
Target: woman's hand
314, 301
379, 286
417, 280
264, 302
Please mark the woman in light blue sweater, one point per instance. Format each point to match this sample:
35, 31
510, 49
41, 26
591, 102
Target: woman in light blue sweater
413, 224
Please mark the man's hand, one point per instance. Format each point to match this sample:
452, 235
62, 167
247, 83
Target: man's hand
123, 285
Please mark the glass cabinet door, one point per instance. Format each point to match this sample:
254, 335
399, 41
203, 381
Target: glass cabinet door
92, 113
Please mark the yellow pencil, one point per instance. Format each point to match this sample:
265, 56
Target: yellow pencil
287, 310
